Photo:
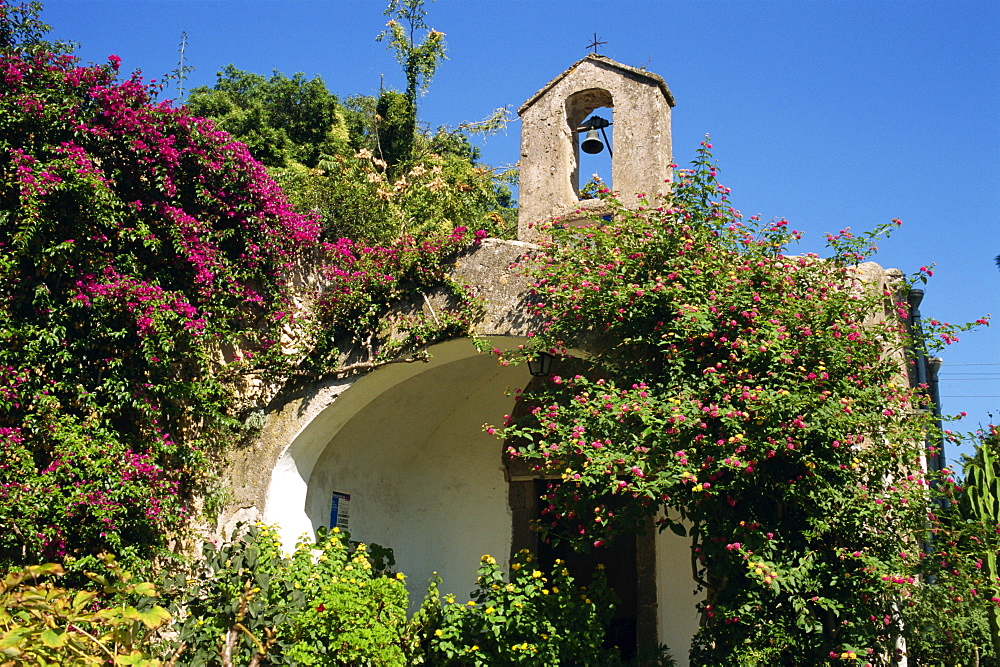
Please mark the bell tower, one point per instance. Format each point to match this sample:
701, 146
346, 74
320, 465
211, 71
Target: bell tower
558, 118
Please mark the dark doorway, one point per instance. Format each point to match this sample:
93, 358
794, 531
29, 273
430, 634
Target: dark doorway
629, 561
619, 560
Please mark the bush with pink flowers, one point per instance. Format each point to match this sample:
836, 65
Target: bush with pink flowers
752, 399
145, 260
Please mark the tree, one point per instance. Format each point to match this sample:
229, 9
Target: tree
22, 31
955, 618
419, 62
281, 120
749, 399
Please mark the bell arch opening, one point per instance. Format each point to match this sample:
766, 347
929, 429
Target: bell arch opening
585, 165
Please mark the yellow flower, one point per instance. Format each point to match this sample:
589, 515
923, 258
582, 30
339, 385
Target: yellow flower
490, 610
438, 632
335, 530
400, 576
489, 559
515, 566
471, 603
536, 574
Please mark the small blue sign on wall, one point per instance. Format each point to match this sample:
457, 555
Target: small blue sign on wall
340, 510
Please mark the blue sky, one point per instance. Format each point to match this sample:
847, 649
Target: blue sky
831, 113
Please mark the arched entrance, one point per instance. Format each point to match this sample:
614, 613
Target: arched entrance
406, 445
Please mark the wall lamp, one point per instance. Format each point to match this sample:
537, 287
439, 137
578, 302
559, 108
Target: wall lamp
540, 365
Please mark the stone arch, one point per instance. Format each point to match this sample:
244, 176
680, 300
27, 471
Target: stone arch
407, 443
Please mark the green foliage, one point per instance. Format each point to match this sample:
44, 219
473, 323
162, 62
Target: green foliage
397, 113
329, 604
419, 59
364, 169
338, 603
282, 121
44, 624
757, 398
355, 612
144, 256
357, 197
376, 298
395, 129
534, 619
22, 31
953, 617
981, 503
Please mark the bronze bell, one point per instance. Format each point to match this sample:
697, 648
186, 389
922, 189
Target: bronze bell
592, 144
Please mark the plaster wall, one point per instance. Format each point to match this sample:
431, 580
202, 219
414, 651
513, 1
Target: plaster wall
677, 615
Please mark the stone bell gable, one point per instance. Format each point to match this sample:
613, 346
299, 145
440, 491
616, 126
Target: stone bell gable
550, 141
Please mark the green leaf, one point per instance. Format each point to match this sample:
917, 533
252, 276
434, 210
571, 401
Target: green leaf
152, 618
53, 638
13, 638
146, 589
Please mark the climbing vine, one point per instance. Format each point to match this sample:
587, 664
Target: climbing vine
751, 399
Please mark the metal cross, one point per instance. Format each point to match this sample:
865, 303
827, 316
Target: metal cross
593, 45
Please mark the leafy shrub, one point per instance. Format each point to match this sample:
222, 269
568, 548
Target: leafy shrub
136, 243
44, 624
358, 197
329, 604
535, 618
758, 395
952, 616
281, 120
